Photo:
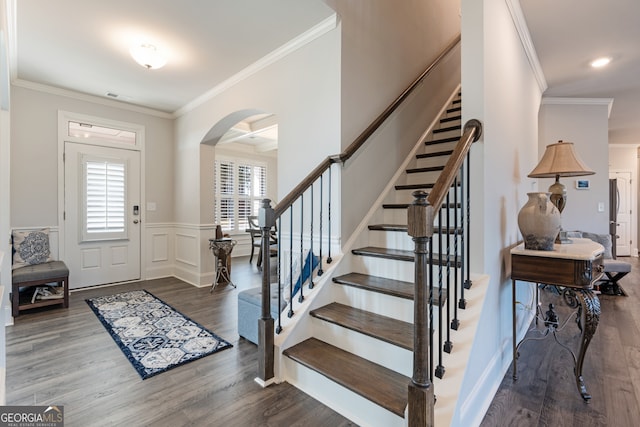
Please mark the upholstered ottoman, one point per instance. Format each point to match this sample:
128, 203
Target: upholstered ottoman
249, 311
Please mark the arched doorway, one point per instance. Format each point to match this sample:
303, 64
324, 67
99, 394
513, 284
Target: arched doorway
239, 168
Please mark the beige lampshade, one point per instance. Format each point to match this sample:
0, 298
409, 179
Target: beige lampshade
560, 159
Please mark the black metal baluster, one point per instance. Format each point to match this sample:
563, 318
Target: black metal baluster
279, 327
455, 323
301, 297
448, 345
290, 313
430, 274
462, 303
320, 271
467, 283
440, 368
329, 220
311, 284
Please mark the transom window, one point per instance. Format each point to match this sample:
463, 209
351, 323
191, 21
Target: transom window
239, 187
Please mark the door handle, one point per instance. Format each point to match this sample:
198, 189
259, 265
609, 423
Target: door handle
135, 221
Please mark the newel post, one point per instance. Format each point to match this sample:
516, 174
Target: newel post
266, 220
421, 397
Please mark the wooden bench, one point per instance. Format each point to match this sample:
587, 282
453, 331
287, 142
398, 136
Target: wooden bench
37, 275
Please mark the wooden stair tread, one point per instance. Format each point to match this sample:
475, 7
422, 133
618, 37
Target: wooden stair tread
401, 255
454, 109
404, 228
417, 186
426, 169
414, 186
381, 285
450, 119
447, 129
406, 205
376, 383
442, 140
384, 328
434, 154
397, 254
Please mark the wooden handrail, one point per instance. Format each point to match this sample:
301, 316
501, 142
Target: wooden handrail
472, 132
297, 191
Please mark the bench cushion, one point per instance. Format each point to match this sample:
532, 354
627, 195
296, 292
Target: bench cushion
615, 266
53, 270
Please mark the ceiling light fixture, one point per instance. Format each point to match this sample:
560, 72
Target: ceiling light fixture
148, 56
600, 62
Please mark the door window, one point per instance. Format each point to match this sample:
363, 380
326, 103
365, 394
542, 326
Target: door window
104, 199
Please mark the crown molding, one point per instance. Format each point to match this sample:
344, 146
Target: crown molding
90, 98
551, 100
308, 36
525, 38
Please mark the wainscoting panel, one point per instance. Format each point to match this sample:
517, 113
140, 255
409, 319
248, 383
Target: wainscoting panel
159, 259
187, 249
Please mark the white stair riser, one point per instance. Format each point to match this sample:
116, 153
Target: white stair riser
382, 267
399, 216
421, 177
383, 304
372, 349
347, 403
402, 240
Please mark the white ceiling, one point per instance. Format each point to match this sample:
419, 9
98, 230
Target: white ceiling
83, 45
569, 34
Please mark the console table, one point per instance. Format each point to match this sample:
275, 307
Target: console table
574, 266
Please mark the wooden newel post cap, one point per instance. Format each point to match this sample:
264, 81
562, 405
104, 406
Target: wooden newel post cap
266, 215
420, 216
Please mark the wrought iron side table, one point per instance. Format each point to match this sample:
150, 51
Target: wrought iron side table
221, 249
574, 266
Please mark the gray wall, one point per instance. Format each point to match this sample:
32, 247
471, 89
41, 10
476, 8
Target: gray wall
34, 155
586, 125
385, 46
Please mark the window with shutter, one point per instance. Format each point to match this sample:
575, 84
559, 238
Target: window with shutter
104, 199
240, 185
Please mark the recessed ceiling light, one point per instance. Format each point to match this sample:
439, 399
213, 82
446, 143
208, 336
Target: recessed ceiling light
600, 62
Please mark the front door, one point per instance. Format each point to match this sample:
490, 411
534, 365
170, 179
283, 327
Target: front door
102, 214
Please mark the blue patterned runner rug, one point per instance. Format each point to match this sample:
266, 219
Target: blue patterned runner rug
153, 335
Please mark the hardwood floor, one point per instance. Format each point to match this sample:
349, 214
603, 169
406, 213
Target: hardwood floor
66, 357
545, 393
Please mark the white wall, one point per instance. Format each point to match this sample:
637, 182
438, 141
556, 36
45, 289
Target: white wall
385, 46
586, 125
302, 90
500, 89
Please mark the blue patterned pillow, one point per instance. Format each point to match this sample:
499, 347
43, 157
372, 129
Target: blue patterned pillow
30, 248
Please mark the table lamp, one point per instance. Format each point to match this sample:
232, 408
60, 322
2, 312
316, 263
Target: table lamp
559, 159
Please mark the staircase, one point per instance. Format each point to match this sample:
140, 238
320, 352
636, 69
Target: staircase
358, 359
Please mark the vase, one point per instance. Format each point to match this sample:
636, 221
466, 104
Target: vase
539, 222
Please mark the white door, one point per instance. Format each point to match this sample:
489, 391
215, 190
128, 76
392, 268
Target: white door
623, 227
102, 214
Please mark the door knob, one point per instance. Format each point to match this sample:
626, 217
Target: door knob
135, 221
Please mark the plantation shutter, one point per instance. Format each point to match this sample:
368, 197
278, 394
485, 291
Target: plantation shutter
238, 189
104, 200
